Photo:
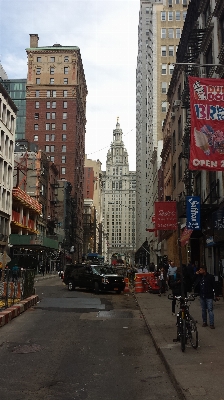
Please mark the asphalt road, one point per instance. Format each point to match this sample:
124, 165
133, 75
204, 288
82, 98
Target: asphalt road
78, 345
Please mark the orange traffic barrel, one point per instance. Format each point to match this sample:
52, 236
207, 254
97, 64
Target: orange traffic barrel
139, 285
126, 289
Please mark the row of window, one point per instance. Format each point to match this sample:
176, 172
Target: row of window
164, 69
52, 148
52, 104
50, 138
52, 69
52, 59
51, 93
168, 51
170, 33
171, 16
63, 159
65, 81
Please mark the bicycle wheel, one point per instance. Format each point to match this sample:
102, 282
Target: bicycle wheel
193, 333
183, 334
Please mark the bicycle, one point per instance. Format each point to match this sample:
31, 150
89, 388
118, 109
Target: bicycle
186, 324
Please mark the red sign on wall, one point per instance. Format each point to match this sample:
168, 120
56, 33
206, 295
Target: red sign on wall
165, 215
207, 124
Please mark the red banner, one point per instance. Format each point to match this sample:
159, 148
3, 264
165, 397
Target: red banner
165, 215
207, 124
185, 236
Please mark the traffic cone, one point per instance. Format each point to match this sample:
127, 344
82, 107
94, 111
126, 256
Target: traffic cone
126, 289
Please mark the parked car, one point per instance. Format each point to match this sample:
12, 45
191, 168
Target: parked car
93, 277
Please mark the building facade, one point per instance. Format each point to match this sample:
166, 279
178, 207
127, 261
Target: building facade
56, 115
159, 32
119, 200
7, 141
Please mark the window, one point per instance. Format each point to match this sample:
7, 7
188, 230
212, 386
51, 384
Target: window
163, 15
179, 129
171, 51
66, 70
164, 87
48, 127
65, 81
164, 69
179, 168
170, 16
53, 127
38, 59
64, 116
63, 148
170, 3
164, 106
147, 10
37, 104
47, 138
35, 138
178, 33
63, 159
163, 51
36, 127
53, 137
64, 127
52, 148
174, 176
53, 93
177, 15
53, 104
184, 15
53, 115
48, 115
52, 70
174, 142
170, 33
64, 136
63, 170
65, 104
38, 71
36, 116
66, 59
51, 81
163, 33
171, 68
177, 1
48, 93
37, 93
52, 158
47, 149
65, 93
52, 59
37, 81
185, 3
48, 104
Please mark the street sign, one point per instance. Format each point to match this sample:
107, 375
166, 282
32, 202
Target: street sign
6, 258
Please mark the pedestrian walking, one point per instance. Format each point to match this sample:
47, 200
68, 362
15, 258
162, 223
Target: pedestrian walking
162, 277
205, 286
171, 272
175, 286
42, 268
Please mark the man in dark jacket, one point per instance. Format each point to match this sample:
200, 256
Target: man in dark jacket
205, 286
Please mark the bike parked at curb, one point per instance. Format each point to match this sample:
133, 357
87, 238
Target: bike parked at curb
186, 324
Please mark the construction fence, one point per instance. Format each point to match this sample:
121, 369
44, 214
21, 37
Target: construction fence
14, 289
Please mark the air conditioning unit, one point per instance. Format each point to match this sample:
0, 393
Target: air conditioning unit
172, 114
176, 103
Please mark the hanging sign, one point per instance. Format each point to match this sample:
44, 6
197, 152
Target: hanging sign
165, 215
185, 236
193, 205
207, 124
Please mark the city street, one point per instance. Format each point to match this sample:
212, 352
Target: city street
77, 345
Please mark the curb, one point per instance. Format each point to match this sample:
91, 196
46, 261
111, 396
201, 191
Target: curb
14, 311
162, 357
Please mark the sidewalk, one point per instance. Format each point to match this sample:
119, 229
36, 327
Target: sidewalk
198, 374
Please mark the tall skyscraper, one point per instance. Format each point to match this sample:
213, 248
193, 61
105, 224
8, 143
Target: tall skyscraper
118, 200
160, 27
56, 116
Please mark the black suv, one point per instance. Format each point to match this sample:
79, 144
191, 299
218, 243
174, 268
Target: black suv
93, 277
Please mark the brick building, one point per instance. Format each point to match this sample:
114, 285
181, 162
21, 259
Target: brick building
56, 115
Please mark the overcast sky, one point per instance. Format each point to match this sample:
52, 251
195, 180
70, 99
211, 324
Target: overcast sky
106, 31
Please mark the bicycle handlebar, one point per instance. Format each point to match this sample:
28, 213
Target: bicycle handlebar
191, 297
